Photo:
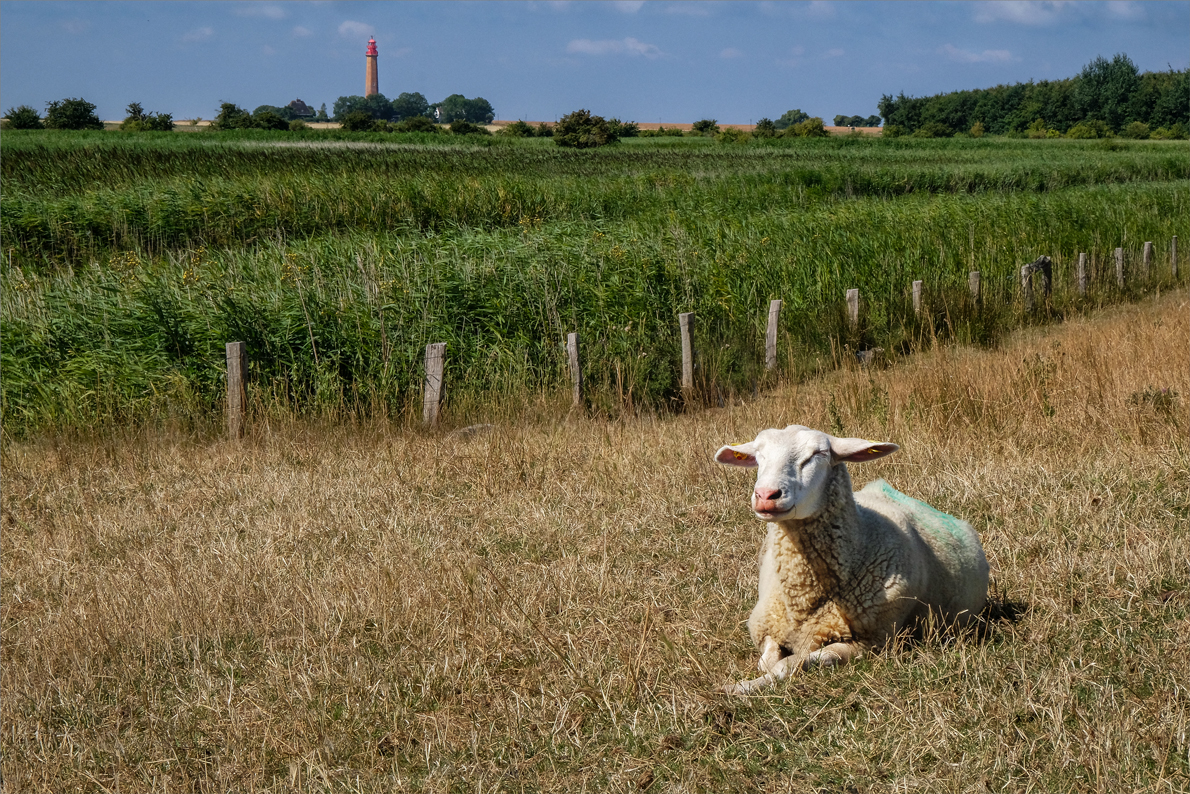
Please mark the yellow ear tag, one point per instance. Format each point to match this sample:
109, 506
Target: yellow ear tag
739, 455
873, 451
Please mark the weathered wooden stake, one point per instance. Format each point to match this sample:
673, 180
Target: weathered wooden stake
1120, 268
917, 297
686, 321
576, 373
1027, 287
1147, 260
435, 362
853, 307
770, 336
1082, 275
237, 394
973, 285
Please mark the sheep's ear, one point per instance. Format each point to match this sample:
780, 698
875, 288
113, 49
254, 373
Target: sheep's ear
857, 450
738, 455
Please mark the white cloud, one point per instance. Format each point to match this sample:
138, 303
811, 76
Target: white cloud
730, 52
628, 6
1021, 12
302, 32
355, 30
266, 10
198, 34
967, 56
628, 46
835, 53
1122, 9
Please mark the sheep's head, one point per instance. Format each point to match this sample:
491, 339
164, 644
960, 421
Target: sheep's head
794, 467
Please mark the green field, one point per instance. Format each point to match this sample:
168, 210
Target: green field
129, 260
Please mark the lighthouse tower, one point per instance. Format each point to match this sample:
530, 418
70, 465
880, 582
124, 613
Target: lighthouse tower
371, 82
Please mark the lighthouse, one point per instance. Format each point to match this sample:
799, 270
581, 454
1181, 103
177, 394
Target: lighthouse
371, 82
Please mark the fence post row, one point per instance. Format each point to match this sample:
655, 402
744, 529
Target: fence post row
1082, 275
435, 362
853, 307
576, 374
237, 395
770, 335
1120, 268
917, 297
686, 322
974, 286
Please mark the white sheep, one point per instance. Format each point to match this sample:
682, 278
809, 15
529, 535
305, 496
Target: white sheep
843, 572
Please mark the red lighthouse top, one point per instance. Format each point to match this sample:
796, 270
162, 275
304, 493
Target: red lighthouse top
372, 47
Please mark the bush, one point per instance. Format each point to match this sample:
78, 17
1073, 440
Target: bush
71, 114
812, 127
545, 130
732, 135
1137, 130
1175, 132
460, 127
1092, 128
231, 117
789, 118
23, 117
1037, 129
661, 132
517, 129
297, 125
268, 120
976, 130
357, 121
138, 120
896, 131
581, 130
706, 127
624, 129
416, 124
764, 129
933, 129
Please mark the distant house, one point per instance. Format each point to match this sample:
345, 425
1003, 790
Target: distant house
300, 108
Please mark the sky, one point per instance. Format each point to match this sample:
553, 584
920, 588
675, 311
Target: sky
641, 61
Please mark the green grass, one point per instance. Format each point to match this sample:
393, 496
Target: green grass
131, 259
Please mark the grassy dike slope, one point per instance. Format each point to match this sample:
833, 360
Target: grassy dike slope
551, 605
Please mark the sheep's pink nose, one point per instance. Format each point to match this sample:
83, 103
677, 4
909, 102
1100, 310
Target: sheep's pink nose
766, 499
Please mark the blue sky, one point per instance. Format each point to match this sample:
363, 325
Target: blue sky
643, 61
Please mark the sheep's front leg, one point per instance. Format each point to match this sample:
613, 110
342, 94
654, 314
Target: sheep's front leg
833, 655
770, 654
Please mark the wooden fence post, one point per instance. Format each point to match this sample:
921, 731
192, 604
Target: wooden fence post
1043, 265
435, 363
576, 374
1082, 275
853, 307
1147, 260
686, 321
917, 297
1173, 257
1027, 287
1120, 268
770, 336
974, 286
237, 394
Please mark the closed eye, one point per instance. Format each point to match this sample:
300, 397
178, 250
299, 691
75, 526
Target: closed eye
802, 465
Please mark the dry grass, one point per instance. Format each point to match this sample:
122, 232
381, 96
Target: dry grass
550, 605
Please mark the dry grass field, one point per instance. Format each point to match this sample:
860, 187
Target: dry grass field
551, 604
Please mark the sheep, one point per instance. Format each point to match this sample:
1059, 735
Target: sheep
841, 573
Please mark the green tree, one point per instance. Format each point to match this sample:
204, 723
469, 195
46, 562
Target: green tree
376, 106
545, 130
269, 120
1105, 90
231, 117
765, 129
322, 114
706, 126
581, 130
457, 106
23, 117
624, 129
416, 124
517, 129
71, 114
812, 127
461, 127
138, 120
407, 105
789, 118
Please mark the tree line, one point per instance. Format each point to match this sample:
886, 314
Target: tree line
1108, 97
